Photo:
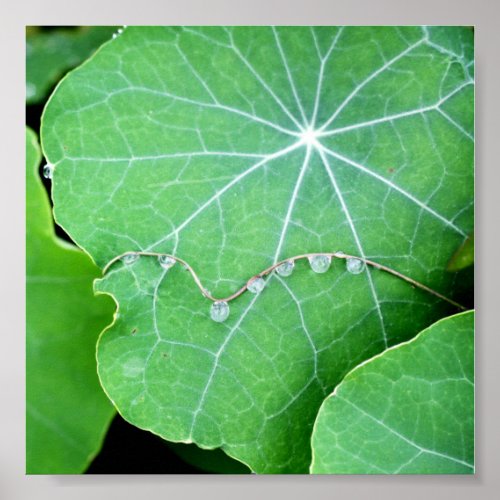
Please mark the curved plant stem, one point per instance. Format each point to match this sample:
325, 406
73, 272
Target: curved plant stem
270, 269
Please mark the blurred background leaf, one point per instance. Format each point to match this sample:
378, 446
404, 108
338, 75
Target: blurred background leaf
464, 256
67, 412
50, 52
215, 461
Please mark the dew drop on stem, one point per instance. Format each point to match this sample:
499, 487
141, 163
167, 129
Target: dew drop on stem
256, 285
219, 311
286, 268
130, 258
166, 261
355, 266
320, 263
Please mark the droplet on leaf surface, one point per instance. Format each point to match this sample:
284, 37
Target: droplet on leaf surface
219, 311
286, 268
355, 266
320, 263
256, 285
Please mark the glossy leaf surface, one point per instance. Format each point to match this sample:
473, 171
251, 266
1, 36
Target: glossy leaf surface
235, 148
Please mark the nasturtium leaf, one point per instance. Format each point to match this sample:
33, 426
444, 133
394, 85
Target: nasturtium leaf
234, 148
409, 410
67, 412
49, 54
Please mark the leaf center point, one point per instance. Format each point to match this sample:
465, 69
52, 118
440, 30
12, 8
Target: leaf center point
309, 137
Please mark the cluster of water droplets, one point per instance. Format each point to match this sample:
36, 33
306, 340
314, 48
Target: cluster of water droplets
120, 31
219, 310
320, 264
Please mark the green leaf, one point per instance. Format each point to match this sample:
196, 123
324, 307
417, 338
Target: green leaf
49, 54
409, 410
67, 413
235, 148
463, 257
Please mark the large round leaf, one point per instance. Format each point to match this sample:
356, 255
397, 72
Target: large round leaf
233, 148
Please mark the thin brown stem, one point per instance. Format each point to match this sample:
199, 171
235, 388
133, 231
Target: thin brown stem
270, 269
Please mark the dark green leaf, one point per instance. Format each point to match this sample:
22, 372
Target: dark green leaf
49, 54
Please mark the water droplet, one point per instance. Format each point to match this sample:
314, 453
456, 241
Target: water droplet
256, 285
114, 35
219, 311
130, 258
166, 261
48, 171
355, 266
320, 263
286, 268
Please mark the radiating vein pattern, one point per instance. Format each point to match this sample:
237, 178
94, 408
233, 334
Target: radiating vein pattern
233, 148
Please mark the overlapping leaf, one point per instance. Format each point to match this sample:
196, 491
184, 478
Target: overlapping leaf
234, 148
409, 410
50, 53
67, 413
